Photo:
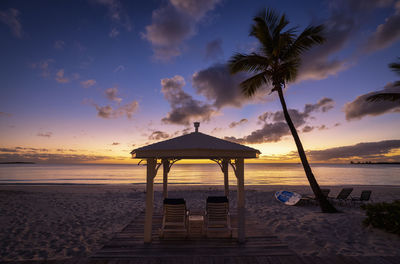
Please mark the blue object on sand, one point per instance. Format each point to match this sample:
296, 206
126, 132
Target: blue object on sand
288, 198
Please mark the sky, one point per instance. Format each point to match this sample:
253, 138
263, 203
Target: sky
88, 81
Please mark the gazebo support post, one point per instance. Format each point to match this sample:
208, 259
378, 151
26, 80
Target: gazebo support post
226, 176
148, 223
165, 177
240, 200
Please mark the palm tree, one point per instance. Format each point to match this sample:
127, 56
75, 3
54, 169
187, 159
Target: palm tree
277, 63
388, 96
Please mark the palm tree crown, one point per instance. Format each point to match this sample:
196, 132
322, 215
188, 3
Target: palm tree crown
395, 66
278, 58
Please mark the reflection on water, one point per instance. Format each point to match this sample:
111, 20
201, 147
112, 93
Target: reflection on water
207, 174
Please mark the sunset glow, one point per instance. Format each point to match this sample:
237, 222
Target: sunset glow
88, 81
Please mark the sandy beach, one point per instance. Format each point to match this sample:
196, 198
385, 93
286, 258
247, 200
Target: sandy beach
63, 221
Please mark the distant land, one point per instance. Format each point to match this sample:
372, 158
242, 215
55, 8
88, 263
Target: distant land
373, 163
17, 162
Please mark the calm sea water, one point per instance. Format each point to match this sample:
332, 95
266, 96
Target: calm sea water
207, 174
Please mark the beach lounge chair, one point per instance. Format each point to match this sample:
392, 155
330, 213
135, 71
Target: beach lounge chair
343, 195
218, 222
364, 197
175, 218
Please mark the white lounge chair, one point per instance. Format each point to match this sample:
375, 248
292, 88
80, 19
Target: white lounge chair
175, 218
218, 222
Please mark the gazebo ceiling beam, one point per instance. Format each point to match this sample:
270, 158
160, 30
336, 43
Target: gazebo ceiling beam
219, 162
167, 164
233, 164
172, 162
158, 164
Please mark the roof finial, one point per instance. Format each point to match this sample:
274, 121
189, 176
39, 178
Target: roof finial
196, 126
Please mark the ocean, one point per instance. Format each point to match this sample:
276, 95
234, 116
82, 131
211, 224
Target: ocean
201, 174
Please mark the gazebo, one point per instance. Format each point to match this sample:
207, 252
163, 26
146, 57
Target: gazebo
195, 145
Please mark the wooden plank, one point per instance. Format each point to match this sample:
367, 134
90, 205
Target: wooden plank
127, 247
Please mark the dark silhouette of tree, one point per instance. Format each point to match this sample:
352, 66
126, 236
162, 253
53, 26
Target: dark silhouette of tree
395, 66
276, 63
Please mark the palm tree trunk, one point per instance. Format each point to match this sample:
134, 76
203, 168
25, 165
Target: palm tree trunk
325, 205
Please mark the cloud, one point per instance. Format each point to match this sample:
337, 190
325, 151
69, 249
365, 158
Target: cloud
307, 129
196, 9
11, 18
75, 76
360, 107
318, 64
364, 150
186, 131
157, 135
113, 33
385, 34
218, 85
118, 16
109, 112
173, 23
300, 118
120, 68
88, 83
184, 107
59, 44
325, 104
115, 144
270, 132
341, 26
367, 5
46, 156
241, 122
216, 129
44, 66
116, 111
214, 50
274, 126
60, 77
8, 150
168, 29
111, 94
5, 114
45, 134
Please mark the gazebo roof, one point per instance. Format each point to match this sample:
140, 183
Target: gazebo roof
195, 145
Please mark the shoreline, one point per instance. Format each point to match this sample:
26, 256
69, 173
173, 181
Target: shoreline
190, 184
46, 222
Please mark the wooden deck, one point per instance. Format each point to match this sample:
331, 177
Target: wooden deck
129, 244
261, 247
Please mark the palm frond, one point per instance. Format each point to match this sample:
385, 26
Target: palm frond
261, 30
283, 22
271, 17
395, 66
310, 36
384, 97
289, 69
252, 84
285, 41
250, 63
